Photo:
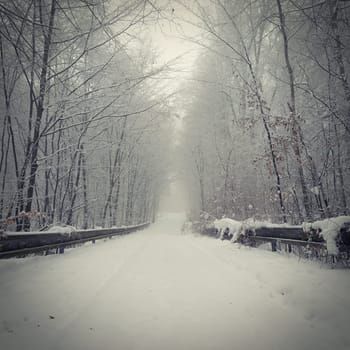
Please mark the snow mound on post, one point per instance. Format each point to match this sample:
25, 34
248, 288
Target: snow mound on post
67, 230
329, 229
230, 227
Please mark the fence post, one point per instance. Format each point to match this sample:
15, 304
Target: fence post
274, 245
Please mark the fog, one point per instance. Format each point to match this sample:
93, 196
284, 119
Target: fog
115, 113
174, 199
102, 105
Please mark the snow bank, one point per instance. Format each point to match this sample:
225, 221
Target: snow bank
229, 227
329, 230
238, 228
66, 230
253, 224
158, 289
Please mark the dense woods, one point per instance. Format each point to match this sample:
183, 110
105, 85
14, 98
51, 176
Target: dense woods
81, 122
267, 127
86, 110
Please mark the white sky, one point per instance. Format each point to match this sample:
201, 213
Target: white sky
169, 40
169, 44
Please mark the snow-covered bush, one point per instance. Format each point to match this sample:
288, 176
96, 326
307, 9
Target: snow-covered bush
329, 230
66, 230
229, 228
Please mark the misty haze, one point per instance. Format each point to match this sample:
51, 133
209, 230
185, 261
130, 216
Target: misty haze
174, 174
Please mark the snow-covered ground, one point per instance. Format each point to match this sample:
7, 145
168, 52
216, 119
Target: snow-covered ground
160, 289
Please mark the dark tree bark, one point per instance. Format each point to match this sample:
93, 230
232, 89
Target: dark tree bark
39, 114
296, 132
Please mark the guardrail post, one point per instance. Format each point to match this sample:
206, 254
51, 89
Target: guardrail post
274, 245
278, 244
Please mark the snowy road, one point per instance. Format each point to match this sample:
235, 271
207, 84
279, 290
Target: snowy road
160, 289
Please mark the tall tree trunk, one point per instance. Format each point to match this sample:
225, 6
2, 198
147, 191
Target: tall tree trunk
46, 208
296, 132
339, 167
114, 175
85, 193
339, 56
58, 172
116, 202
270, 143
3, 185
39, 113
74, 190
21, 181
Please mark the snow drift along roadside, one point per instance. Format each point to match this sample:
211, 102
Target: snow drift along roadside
229, 227
329, 230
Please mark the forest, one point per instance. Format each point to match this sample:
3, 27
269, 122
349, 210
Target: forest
81, 119
87, 110
267, 130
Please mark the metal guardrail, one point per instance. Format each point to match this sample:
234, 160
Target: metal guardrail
23, 244
292, 240
288, 236
289, 244
295, 242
